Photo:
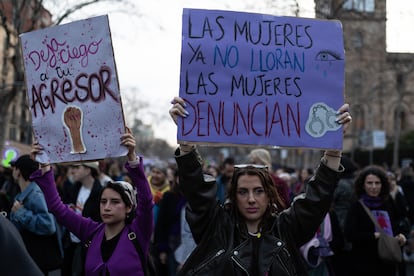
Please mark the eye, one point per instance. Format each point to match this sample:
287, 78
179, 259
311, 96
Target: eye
103, 201
327, 55
259, 191
242, 192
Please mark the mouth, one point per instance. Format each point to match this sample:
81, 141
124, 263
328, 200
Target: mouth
106, 216
251, 210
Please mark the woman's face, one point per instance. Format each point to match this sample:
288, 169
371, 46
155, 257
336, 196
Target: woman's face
157, 177
112, 207
372, 185
252, 200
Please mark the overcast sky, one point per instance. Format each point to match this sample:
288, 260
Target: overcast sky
147, 47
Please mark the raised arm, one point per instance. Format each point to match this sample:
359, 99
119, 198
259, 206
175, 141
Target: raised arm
143, 222
305, 215
80, 226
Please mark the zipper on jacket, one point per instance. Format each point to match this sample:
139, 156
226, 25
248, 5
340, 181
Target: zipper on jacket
283, 264
209, 260
239, 265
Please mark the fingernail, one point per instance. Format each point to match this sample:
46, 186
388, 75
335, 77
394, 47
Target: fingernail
186, 112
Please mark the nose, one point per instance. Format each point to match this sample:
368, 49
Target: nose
107, 205
251, 198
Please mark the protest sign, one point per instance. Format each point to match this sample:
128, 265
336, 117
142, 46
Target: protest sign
258, 79
73, 91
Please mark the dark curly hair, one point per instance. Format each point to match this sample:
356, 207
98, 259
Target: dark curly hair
274, 199
378, 172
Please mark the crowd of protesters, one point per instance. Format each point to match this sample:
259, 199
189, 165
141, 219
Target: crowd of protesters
343, 244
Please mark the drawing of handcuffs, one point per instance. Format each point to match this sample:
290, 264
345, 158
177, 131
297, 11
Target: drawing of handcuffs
315, 120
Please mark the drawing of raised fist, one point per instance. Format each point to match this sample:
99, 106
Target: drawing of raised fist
73, 119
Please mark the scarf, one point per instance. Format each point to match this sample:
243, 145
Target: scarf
371, 201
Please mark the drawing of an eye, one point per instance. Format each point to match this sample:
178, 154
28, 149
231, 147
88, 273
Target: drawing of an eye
327, 55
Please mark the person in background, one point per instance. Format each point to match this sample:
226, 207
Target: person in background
102, 176
8, 189
14, 260
159, 184
251, 236
224, 178
125, 211
372, 187
401, 205
406, 182
262, 157
84, 201
303, 177
187, 244
167, 234
344, 197
30, 215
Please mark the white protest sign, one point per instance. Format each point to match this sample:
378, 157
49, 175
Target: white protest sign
73, 91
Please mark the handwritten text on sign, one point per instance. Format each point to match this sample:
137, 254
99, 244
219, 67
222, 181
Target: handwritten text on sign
260, 79
73, 91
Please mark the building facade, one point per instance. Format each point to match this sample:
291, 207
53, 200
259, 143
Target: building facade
378, 85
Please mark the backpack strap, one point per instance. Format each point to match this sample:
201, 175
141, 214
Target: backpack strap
133, 238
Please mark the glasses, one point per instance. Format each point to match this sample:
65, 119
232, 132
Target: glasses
251, 166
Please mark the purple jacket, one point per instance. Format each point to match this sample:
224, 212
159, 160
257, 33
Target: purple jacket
125, 259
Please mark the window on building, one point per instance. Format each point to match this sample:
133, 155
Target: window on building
357, 40
12, 134
357, 84
358, 117
359, 5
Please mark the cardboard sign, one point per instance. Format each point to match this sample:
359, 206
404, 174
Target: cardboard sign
258, 79
73, 91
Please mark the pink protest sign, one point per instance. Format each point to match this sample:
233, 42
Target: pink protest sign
73, 91
259, 79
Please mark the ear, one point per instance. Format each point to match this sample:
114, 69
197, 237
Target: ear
128, 209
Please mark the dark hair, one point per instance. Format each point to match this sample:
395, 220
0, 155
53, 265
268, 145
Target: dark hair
94, 172
228, 161
268, 186
120, 190
378, 172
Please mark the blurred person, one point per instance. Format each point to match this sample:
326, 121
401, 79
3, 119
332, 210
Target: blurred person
212, 170
344, 197
251, 236
321, 251
373, 189
102, 175
8, 189
406, 182
159, 184
114, 170
14, 260
30, 215
404, 223
224, 178
262, 157
125, 211
187, 243
303, 177
84, 201
167, 234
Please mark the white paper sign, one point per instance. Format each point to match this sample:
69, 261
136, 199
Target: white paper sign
73, 91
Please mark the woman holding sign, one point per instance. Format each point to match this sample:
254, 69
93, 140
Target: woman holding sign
116, 245
251, 237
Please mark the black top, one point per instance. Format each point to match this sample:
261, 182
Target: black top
108, 246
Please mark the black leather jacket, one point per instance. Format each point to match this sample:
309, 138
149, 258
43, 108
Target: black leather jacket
223, 249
